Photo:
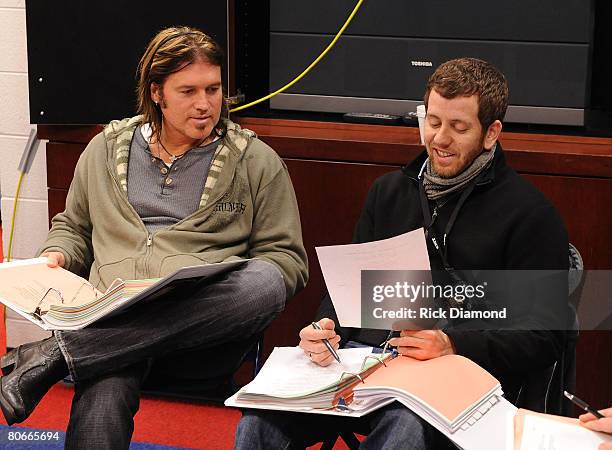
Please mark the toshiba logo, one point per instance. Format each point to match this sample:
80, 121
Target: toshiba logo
422, 63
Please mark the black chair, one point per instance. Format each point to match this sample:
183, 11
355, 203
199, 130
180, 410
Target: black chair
216, 390
543, 390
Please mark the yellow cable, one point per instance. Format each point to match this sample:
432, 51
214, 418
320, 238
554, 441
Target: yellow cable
10, 245
314, 63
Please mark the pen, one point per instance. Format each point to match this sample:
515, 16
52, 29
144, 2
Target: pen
316, 326
386, 341
583, 405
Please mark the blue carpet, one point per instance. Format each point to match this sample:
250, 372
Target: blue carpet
14, 438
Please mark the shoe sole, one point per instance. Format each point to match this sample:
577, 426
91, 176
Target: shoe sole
7, 364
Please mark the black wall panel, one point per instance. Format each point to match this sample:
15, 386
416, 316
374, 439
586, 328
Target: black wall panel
82, 56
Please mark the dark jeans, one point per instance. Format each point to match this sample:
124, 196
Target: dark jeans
110, 360
391, 427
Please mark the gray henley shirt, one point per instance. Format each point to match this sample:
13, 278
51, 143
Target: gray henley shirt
163, 195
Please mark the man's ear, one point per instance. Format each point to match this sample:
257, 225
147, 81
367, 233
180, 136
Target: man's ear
492, 135
156, 92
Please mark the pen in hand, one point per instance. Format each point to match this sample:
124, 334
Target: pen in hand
583, 405
316, 326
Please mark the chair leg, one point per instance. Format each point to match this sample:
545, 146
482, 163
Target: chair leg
329, 443
350, 440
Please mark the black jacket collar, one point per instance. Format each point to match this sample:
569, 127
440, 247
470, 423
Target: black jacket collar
413, 168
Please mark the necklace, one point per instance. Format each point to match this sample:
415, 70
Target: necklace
174, 157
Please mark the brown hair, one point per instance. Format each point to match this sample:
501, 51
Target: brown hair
170, 51
469, 76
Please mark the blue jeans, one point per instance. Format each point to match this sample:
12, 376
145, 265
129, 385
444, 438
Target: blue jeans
391, 427
198, 337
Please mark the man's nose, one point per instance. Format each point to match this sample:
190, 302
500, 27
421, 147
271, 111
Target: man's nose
442, 138
202, 103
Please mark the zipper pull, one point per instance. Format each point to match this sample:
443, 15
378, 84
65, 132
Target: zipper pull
434, 214
149, 240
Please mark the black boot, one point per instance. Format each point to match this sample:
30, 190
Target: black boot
35, 368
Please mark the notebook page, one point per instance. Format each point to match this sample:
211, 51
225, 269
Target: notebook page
546, 432
25, 283
342, 265
289, 372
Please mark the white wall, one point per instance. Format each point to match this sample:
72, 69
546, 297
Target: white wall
31, 224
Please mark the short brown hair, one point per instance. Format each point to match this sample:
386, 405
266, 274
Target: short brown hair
170, 51
469, 76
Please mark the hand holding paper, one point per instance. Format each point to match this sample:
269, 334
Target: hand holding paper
532, 430
55, 259
423, 344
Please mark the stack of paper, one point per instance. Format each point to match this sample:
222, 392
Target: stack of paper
290, 379
56, 299
451, 390
78, 316
456, 396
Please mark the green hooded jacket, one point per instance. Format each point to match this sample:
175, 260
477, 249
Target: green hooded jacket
248, 209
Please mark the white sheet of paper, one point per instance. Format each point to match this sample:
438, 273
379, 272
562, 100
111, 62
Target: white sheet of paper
342, 265
288, 371
544, 434
494, 430
30, 283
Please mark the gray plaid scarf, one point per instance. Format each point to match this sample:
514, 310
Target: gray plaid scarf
437, 187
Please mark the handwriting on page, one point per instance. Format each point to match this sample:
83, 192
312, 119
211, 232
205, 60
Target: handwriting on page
342, 266
289, 372
29, 286
546, 434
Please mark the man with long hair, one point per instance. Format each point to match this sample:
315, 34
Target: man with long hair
177, 185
